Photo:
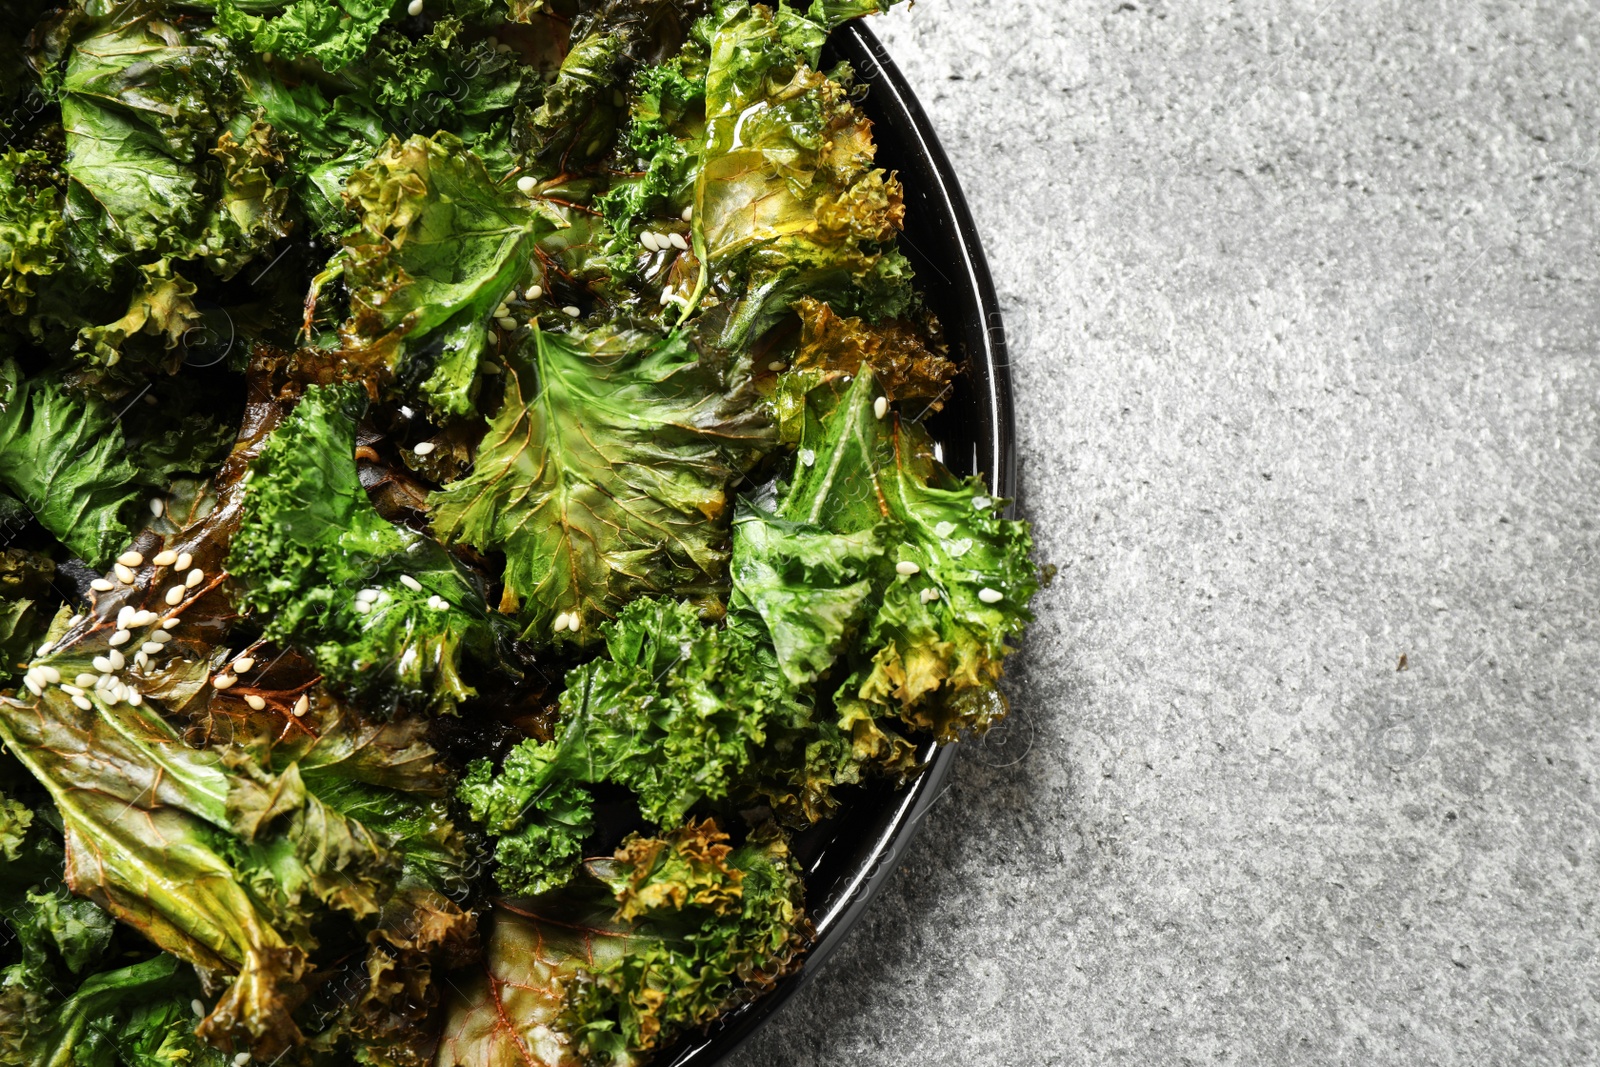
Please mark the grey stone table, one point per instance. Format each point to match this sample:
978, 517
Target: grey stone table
1304, 306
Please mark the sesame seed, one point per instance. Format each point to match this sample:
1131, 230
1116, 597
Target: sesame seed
502, 311
113, 695
648, 239
75, 620
880, 406
928, 596
175, 595
141, 658
104, 680
194, 577
33, 687
135, 697
906, 567
120, 638
302, 705
678, 241
72, 690
168, 624
102, 664
223, 681
183, 561
535, 292
131, 559
666, 296
165, 558
198, 1008
48, 673
100, 585
571, 311
990, 596
413, 9
160, 637
361, 606
86, 681
367, 596
244, 1057
255, 702
158, 506
776, 364
243, 664
506, 322
527, 184
424, 448
123, 572
560, 624
82, 703
490, 369
688, 213
125, 616
411, 583
117, 662
150, 648
143, 618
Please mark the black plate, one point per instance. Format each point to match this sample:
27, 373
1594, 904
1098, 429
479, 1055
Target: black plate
849, 858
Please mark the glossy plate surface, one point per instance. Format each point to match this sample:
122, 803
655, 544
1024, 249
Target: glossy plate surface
849, 858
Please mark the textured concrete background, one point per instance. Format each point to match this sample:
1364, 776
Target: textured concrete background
1305, 315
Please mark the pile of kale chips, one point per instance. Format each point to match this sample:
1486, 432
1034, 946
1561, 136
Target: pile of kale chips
465, 509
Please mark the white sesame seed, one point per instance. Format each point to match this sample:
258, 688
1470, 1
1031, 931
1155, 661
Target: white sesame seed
120, 638
135, 697
86, 680
502, 310
244, 1057
243, 664
165, 558
48, 673
175, 595
150, 648
123, 573
143, 618
71, 690
490, 369
411, 583
100, 585
125, 616
906, 567
413, 9
198, 1008
880, 406
158, 506
167, 624
928, 596
183, 561
223, 681
255, 702
424, 448
535, 292
990, 596
666, 296
117, 662
160, 637
82, 703
648, 239
33, 687
776, 364
75, 620
688, 213
44, 648
194, 577
560, 624
113, 695
571, 311
302, 705
527, 184
102, 664
131, 559
367, 596
678, 241
362, 607
506, 323
141, 659
106, 679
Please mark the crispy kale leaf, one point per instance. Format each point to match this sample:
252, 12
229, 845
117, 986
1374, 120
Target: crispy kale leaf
787, 202
539, 817
32, 242
66, 459
603, 478
385, 611
333, 33
439, 246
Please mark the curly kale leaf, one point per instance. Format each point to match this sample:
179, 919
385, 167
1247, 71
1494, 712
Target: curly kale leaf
439, 246
539, 818
383, 610
701, 923
65, 458
335, 34
788, 202
32, 234
603, 478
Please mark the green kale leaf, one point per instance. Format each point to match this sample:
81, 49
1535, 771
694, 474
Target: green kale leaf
32, 238
383, 610
603, 478
335, 34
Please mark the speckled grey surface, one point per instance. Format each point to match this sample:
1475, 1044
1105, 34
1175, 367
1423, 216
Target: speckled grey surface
1304, 302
